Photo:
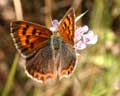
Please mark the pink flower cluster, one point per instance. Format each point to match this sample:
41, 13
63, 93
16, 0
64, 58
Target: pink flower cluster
83, 36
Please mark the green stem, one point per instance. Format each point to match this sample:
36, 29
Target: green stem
10, 77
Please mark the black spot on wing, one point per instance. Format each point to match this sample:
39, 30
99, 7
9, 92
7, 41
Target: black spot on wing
31, 45
33, 31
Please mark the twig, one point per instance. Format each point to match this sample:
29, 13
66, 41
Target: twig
18, 9
48, 11
10, 77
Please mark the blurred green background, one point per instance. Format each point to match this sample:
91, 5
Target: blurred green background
98, 70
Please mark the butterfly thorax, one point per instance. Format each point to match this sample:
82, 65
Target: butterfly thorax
55, 42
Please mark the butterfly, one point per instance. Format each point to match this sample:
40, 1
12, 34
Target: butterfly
47, 54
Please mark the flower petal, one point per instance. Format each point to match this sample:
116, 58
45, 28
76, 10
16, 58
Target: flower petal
90, 38
80, 45
93, 40
84, 29
79, 32
55, 23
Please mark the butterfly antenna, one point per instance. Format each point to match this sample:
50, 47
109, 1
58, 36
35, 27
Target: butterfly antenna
80, 16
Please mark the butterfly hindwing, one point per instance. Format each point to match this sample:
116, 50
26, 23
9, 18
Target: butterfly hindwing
41, 66
28, 37
67, 60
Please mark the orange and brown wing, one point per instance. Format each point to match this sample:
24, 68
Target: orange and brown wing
33, 41
28, 37
67, 60
67, 51
67, 27
41, 66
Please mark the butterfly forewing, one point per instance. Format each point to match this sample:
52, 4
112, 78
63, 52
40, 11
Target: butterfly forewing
28, 37
67, 26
